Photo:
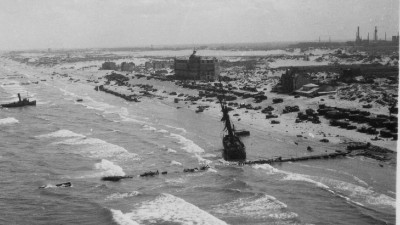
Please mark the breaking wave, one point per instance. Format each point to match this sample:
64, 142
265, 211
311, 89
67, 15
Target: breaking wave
97, 148
166, 208
109, 168
351, 192
9, 120
122, 218
60, 134
176, 163
118, 195
176, 128
188, 145
259, 206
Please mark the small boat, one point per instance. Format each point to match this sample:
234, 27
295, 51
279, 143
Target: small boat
79, 100
20, 103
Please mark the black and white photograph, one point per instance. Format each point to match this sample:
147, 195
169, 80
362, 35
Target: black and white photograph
198, 112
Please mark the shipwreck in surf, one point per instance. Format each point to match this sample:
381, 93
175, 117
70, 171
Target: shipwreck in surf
20, 103
234, 149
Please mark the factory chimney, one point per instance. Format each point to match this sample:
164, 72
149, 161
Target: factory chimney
376, 34
358, 33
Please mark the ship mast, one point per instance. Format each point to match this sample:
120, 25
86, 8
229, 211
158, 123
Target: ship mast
225, 114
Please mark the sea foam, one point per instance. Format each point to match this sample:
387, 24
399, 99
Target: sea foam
8, 120
96, 148
60, 134
109, 168
260, 206
169, 208
121, 218
118, 195
188, 145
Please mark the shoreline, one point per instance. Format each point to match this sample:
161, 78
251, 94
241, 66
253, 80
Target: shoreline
255, 120
145, 86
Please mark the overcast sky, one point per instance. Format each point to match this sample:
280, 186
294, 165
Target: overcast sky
28, 24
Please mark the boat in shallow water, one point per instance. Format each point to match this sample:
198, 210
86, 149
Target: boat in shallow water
234, 149
20, 103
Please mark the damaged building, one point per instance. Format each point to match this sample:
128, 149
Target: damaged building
158, 65
125, 66
129, 67
196, 68
293, 79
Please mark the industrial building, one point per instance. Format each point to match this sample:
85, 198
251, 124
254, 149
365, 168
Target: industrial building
359, 41
196, 68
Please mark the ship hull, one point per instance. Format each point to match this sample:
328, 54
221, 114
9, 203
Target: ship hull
18, 104
234, 149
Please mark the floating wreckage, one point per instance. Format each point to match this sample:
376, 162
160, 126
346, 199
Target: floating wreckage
115, 178
20, 103
153, 174
234, 149
66, 184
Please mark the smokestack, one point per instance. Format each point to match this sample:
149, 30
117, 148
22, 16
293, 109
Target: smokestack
19, 97
358, 33
385, 36
376, 34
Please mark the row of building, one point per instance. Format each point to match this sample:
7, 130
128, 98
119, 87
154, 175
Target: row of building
125, 66
298, 81
193, 67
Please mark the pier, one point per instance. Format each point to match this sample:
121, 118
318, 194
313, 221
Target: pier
295, 159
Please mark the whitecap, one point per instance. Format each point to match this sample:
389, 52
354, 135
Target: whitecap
97, 148
202, 160
176, 163
8, 120
270, 169
118, 195
188, 145
121, 218
169, 208
211, 170
109, 168
176, 128
60, 134
170, 150
256, 207
300, 177
357, 193
162, 131
283, 216
149, 128
208, 155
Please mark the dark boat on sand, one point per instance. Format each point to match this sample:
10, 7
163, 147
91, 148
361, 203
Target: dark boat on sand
234, 149
20, 103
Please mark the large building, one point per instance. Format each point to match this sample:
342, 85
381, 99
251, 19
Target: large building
196, 68
294, 79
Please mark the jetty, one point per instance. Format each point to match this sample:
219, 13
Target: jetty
296, 159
